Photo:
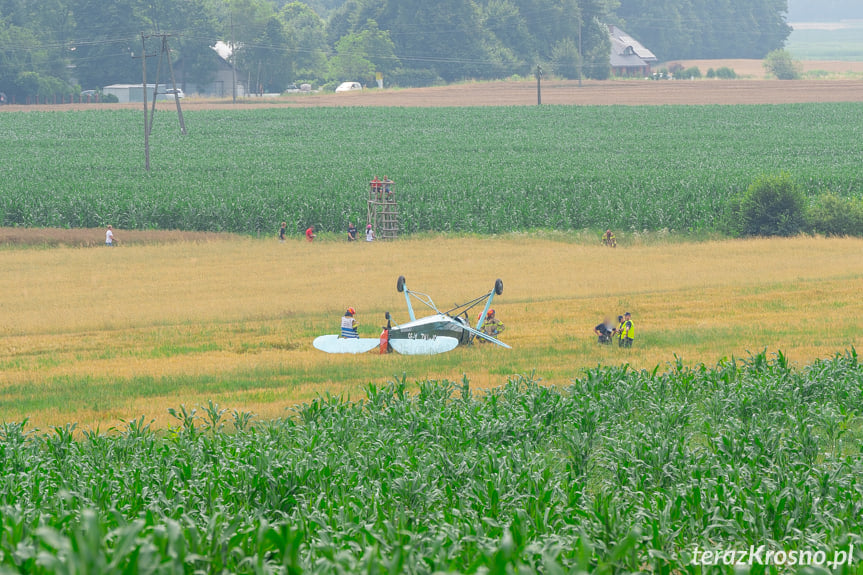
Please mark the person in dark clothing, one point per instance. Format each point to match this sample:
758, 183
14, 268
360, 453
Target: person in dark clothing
352, 232
282, 231
603, 331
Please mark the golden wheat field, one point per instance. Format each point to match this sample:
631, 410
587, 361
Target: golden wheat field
97, 335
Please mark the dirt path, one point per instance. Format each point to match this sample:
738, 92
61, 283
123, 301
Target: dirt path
623, 93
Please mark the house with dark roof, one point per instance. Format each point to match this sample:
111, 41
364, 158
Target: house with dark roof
629, 58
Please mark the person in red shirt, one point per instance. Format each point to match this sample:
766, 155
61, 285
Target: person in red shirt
310, 233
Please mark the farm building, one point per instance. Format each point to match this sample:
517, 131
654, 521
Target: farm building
133, 92
628, 56
218, 87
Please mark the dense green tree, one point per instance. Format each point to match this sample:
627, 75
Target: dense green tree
193, 30
597, 50
22, 62
665, 26
309, 33
565, 59
706, 28
275, 41
359, 55
107, 35
509, 39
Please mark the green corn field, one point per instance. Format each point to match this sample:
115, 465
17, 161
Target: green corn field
479, 170
621, 471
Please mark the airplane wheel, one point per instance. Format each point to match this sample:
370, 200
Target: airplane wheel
498, 286
400, 284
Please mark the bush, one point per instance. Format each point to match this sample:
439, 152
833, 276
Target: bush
688, 73
726, 73
834, 215
771, 206
711, 73
109, 99
780, 64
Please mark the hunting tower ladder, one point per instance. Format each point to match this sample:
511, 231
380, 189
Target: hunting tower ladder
383, 212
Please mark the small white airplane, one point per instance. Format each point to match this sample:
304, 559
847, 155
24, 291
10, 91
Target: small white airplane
437, 333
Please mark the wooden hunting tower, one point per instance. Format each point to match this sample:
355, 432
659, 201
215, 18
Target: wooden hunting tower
383, 212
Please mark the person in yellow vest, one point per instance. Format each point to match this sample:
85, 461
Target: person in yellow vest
626, 331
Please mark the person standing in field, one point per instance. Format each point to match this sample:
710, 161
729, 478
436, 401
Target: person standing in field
282, 231
352, 232
109, 237
626, 331
349, 325
617, 331
608, 239
310, 233
370, 233
604, 330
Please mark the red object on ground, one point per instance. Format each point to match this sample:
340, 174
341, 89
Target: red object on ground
385, 341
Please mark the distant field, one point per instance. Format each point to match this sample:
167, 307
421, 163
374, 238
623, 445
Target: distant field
95, 335
754, 71
480, 170
827, 41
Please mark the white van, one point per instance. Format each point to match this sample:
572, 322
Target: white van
349, 87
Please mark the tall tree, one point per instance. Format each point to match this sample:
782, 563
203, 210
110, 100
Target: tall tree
107, 35
360, 55
309, 33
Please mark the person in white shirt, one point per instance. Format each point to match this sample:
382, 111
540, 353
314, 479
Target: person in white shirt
109, 237
370, 233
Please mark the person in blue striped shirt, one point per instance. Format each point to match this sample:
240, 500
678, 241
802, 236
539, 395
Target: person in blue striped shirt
349, 324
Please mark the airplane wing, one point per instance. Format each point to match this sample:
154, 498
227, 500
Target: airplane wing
485, 336
440, 344
336, 344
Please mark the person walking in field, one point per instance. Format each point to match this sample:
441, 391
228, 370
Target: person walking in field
608, 239
370, 233
109, 237
626, 331
310, 233
349, 325
492, 326
283, 231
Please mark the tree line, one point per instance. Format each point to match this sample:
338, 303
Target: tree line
60, 46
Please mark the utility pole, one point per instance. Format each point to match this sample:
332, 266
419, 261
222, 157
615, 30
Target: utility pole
144, 57
580, 53
165, 51
148, 121
233, 60
538, 74
174, 85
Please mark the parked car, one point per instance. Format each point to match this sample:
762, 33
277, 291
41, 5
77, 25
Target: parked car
178, 91
349, 87
292, 89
